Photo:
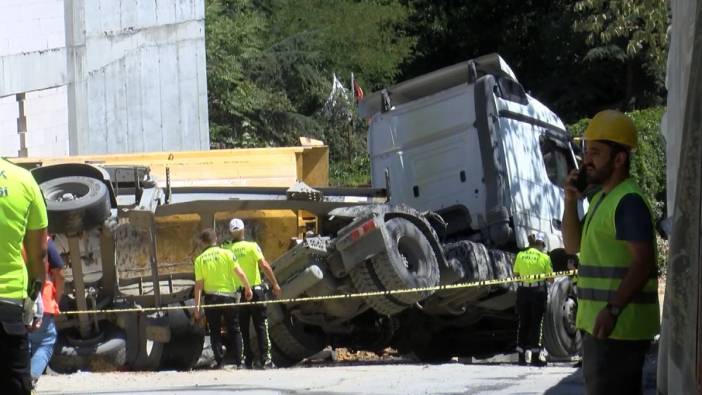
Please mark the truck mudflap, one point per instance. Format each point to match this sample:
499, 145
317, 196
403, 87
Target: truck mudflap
362, 240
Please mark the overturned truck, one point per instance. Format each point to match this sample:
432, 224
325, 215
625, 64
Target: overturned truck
471, 165
126, 227
465, 165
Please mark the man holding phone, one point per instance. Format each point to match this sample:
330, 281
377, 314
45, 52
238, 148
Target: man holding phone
617, 288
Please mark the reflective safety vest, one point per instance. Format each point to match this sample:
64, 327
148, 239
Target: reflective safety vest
22, 208
215, 268
248, 253
48, 293
531, 262
604, 261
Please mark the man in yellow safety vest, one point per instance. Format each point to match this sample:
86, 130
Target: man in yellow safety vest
531, 300
219, 276
23, 223
252, 262
617, 288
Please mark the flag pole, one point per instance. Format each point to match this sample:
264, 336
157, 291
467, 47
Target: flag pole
353, 115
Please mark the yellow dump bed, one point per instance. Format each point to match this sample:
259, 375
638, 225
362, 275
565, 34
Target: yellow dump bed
269, 167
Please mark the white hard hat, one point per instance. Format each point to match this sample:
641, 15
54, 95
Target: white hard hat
537, 237
236, 224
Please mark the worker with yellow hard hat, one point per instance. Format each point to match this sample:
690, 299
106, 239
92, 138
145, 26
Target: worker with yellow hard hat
618, 309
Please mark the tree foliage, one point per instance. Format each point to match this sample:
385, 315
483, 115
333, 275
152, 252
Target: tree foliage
563, 66
631, 32
270, 62
270, 67
632, 27
234, 37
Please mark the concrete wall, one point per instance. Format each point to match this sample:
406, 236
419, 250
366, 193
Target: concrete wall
111, 76
32, 56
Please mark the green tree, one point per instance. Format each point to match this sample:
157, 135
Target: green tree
270, 67
235, 35
632, 33
538, 38
365, 37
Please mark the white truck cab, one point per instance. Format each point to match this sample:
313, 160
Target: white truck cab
469, 143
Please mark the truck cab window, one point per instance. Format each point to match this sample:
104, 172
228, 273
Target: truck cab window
556, 160
512, 90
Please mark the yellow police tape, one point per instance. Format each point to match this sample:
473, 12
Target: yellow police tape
475, 284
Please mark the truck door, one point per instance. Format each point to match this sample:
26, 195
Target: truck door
430, 150
537, 161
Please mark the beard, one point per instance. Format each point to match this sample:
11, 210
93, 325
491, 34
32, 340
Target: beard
598, 176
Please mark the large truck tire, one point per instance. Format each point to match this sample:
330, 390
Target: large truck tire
364, 279
474, 259
75, 203
409, 263
290, 342
561, 338
187, 339
501, 265
149, 352
102, 353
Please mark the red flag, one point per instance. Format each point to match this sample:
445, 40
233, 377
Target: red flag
357, 91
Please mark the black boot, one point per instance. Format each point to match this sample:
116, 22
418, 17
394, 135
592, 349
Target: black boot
538, 358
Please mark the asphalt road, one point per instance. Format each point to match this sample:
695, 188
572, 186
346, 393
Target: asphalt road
370, 378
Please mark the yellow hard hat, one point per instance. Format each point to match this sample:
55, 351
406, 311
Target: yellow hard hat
612, 125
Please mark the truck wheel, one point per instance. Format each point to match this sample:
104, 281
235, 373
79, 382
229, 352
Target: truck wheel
75, 204
187, 339
502, 263
409, 263
561, 338
290, 342
148, 354
364, 279
105, 352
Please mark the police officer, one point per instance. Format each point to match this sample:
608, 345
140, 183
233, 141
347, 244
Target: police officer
219, 275
251, 259
23, 220
531, 300
617, 289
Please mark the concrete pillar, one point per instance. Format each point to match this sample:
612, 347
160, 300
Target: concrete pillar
22, 127
77, 92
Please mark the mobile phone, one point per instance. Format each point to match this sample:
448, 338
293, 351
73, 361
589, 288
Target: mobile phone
580, 183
